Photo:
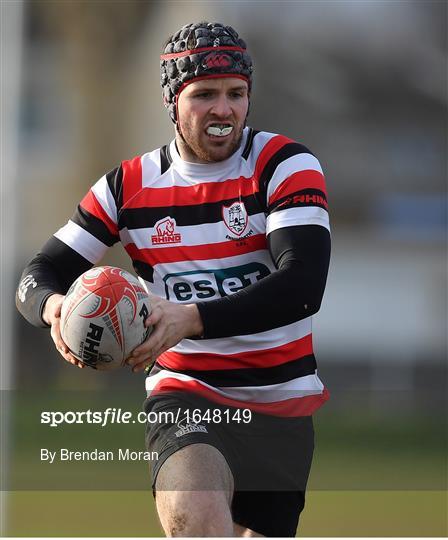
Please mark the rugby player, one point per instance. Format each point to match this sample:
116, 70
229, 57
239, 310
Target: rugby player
228, 229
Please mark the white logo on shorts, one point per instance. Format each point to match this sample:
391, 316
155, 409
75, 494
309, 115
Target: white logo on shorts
189, 427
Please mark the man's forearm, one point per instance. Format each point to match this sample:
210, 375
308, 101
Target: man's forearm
38, 283
196, 325
51, 272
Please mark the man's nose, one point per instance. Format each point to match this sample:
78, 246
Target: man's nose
221, 107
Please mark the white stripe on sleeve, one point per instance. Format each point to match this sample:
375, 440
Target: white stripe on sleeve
104, 196
307, 215
81, 241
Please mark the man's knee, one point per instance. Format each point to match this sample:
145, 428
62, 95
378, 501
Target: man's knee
197, 467
194, 490
195, 514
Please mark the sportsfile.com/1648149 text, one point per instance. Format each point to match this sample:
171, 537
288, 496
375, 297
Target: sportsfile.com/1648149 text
113, 415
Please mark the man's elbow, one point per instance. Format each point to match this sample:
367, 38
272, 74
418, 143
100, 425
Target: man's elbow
312, 303
312, 307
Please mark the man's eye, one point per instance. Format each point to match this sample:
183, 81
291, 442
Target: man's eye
203, 95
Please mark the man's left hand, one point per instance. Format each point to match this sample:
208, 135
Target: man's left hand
171, 323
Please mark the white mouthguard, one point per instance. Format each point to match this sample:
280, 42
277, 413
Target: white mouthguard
219, 132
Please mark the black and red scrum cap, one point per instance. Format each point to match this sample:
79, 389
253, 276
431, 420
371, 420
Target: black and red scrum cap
199, 51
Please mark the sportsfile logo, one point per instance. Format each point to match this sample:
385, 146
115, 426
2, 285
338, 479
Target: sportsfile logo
166, 232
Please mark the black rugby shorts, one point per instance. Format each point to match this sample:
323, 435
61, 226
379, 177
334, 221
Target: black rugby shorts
270, 457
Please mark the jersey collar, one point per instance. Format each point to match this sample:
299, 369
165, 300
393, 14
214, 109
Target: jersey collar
203, 170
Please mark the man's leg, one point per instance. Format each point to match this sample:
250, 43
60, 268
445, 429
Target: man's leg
194, 490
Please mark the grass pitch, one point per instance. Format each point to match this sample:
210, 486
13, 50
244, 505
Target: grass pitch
132, 514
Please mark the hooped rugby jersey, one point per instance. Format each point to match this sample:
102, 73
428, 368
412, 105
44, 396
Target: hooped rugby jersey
197, 232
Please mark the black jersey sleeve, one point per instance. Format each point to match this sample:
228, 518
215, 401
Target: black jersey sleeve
51, 271
301, 255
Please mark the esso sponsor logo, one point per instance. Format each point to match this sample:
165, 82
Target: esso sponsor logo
208, 284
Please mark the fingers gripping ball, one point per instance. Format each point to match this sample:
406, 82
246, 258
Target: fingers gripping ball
103, 317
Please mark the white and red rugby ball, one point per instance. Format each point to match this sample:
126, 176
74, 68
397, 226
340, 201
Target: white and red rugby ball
103, 316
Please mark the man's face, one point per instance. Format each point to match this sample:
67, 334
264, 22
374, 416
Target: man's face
203, 108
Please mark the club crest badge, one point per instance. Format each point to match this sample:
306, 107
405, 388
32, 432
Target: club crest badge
235, 217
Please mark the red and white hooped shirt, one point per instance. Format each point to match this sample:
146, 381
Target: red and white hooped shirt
198, 232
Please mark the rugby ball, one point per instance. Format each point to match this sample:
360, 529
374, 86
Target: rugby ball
103, 316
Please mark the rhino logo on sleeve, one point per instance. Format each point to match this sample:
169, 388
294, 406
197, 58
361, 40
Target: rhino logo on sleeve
166, 232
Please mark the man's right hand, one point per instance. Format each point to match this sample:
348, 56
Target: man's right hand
52, 316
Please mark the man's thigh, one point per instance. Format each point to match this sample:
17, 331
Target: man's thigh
184, 507
194, 451
196, 467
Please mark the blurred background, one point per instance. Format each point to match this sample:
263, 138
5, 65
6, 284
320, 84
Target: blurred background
363, 84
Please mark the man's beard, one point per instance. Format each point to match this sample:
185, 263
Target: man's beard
203, 153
